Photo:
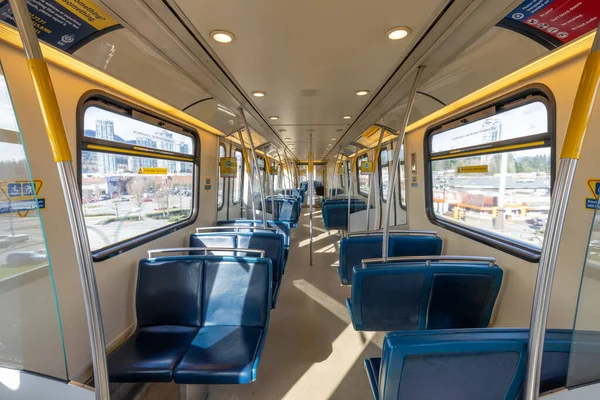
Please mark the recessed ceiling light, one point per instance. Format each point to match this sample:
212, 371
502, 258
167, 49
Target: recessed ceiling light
222, 36
398, 33
282, 130
333, 138
347, 117
274, 117
362, 92
259, 94
287, 138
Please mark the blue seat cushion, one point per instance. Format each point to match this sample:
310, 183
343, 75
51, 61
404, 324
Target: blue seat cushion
151, 354
221, 355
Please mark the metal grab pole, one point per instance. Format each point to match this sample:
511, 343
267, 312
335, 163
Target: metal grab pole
571, 151
62, 157
337, 175
311, 185
260, 188
271, 186
375, 161
248, 171
392, 176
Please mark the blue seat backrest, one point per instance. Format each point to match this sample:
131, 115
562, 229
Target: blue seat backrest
282, 227
204, 291
213, 239
272, 243
354, 249
411, 296
169, 292
467, 364
236, 292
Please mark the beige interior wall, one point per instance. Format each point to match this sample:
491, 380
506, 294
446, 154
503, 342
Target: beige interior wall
116, 276
514, 304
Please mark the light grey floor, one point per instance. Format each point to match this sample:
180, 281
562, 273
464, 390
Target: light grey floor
312, 351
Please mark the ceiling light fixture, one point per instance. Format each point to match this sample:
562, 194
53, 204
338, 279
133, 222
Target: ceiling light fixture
287, 138
222, 36
274, 117
258, 94
362, 92
333, 138
347, 117
282, 130
398, 33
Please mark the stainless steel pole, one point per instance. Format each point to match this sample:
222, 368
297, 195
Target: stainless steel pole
351, 186
256, 168
375, 161
571, 151
62, 157
248, 172
392, 182
311, 185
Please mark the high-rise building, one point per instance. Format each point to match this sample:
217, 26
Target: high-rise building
107, 163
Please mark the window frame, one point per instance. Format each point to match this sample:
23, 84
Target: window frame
117, 105
518, 98
241, 178
221, 181
358, 161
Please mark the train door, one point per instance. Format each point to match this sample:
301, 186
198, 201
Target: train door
223, 189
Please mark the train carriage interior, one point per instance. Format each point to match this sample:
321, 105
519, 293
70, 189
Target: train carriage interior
219, 200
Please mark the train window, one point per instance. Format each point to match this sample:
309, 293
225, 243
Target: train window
490, 175
137, 177
221, 191
238, 181
384, 168
363, 179
385, 160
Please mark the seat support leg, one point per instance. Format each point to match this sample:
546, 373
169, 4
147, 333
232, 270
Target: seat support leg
193, 392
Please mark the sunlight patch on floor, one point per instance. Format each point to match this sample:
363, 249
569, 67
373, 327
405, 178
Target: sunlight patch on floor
322, 379
332, 248
306, 242
316, 228
314, 213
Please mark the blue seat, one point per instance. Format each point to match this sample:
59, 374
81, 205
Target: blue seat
271, 242
286, 209
335, 214
188, 309
469, 364
354, 249
282, 227
414, 295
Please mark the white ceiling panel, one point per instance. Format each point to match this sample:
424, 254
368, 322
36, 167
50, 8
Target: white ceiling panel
334, 47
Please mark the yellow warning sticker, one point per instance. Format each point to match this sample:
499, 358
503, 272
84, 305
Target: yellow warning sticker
153, 171
472, 169
89, 12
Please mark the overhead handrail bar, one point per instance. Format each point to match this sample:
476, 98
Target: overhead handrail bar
395, 232
237, 228
491, 261
375, 166
62, 157
571, 151
392, 174
205, 250
256, 168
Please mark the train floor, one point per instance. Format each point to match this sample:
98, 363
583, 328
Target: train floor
312, 351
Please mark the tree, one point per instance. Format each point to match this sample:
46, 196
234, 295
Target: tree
136, 188
162, 198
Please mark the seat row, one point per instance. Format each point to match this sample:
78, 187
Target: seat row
422, 298
202, 318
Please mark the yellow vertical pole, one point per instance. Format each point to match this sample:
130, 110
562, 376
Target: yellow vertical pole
62, 157
571, 151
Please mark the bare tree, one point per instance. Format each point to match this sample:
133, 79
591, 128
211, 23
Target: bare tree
162, 198
136, 189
